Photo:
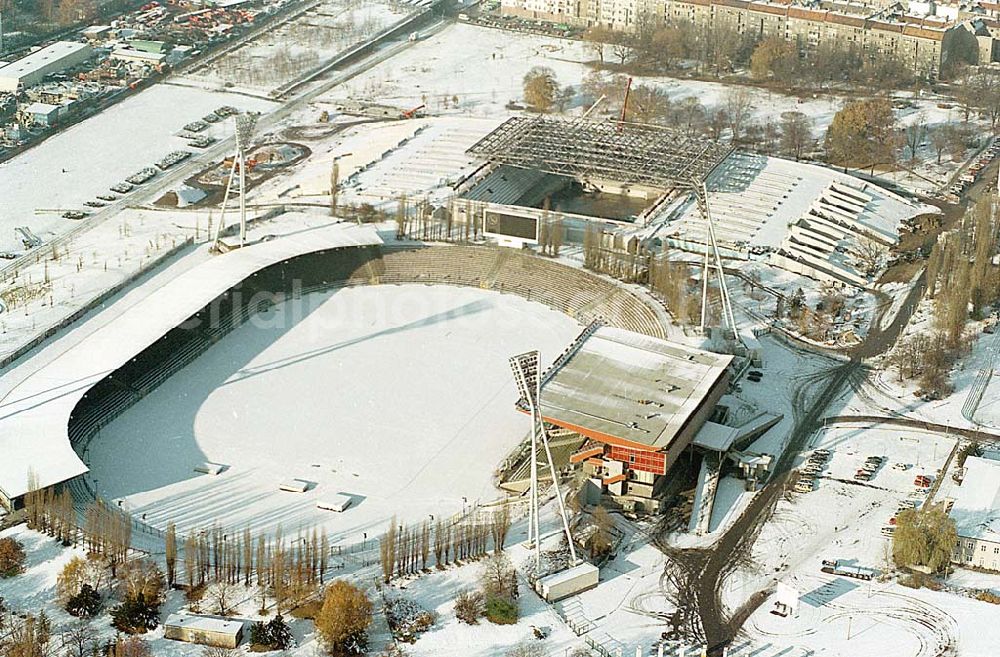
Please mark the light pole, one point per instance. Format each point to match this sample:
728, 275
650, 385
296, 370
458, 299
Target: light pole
245, 124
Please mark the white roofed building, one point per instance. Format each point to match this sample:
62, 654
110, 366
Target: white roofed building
204, 630
32, 69
976, 513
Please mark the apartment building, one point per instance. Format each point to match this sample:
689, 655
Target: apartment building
924, 45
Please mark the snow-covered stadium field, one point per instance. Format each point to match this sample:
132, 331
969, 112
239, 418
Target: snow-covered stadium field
400, 396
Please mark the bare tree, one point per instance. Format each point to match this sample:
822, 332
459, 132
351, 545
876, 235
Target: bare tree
739, 106
499, 526
914, 135
796, 134
497, 573
79, 639
171, 553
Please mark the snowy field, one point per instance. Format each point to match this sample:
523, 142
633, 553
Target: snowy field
85, 160
843, 520
489, 75
300, 45
400, 396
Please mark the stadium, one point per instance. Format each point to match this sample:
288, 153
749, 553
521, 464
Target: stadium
650, 183
275, 362
245, 386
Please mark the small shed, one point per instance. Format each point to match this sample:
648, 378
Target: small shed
338, 503
579, 578
204, 630
96, 32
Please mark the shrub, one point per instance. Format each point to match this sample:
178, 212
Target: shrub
469, 607
407, 619
11, 557
135, 616
988, 596
526, 649
273, 635
84, 604
501, 611
343, 621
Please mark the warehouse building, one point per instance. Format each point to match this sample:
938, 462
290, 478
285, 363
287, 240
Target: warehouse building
32, 69
41, 114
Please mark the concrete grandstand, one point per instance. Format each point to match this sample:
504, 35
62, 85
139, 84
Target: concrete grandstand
804, 218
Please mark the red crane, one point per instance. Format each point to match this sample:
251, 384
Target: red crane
409, 114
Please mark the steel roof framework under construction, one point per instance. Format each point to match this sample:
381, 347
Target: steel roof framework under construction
628, 153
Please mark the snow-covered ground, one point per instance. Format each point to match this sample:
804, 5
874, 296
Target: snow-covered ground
843, 520
298, 46
379, 162
400, 396
86, 159
490, 73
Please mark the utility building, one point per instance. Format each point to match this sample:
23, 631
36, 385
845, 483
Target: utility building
204, 630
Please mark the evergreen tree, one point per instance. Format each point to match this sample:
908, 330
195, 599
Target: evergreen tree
279, 634
84, 604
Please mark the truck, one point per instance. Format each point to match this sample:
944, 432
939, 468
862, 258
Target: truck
843, 569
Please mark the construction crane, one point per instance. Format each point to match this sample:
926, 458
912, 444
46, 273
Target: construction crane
410, 113
621, 119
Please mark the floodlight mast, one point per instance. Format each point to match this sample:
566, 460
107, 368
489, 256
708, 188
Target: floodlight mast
713, 259
529, 384
245, 124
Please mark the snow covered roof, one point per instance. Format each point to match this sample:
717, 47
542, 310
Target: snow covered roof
812, 214
620, 386
205, 624
40, 59
41, 108
715, 436
34, 416
976, 511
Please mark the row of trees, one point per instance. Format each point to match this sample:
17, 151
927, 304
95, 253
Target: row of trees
963, 282
289, 571
784, 62
406, 549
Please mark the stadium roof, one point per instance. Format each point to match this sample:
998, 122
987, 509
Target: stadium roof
629, 153
629, 389
34, 414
